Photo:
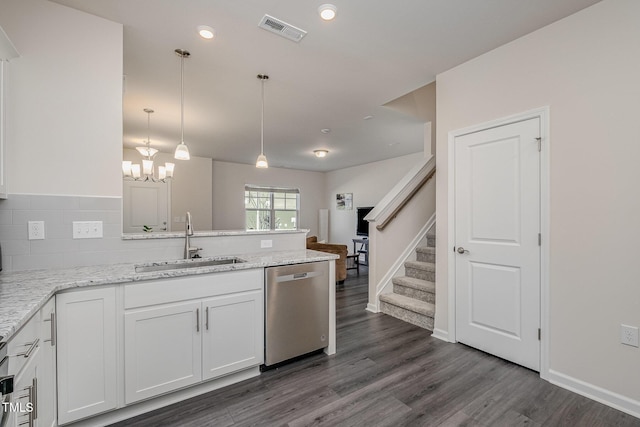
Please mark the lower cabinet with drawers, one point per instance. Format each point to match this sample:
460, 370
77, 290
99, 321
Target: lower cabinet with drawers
31, 360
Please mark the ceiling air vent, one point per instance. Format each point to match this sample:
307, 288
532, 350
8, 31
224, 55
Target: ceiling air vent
281, 28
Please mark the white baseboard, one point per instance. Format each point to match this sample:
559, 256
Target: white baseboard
372, 308
599, 394
440, 334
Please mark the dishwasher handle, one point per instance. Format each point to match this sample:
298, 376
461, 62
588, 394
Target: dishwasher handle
298, 276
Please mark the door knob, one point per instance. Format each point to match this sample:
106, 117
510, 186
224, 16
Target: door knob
462, 250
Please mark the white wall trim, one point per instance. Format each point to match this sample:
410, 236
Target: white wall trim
386, 282
543, 113
440, 334
373, 308
401, 191
599, 394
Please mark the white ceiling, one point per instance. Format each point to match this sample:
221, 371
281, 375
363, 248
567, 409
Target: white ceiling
373, 52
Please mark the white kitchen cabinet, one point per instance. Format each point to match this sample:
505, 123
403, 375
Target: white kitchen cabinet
233, 336
46, 390
24, 350
182, 331
32, 361
3, 74
25, 395
86, 353
7, 52
162, 349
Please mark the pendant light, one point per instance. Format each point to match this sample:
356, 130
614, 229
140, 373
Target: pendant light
262, 163
131, 170
146, 150
182, 151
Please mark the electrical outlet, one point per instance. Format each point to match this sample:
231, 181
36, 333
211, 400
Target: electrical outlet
36, 230
87, 229
266, 243
629, 335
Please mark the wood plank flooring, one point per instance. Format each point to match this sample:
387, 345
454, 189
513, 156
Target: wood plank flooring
388, 373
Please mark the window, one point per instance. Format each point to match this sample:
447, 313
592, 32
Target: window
268, 208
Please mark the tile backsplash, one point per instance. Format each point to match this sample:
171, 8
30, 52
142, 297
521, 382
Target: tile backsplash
60, 250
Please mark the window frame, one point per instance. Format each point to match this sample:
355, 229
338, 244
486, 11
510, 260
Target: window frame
272, 210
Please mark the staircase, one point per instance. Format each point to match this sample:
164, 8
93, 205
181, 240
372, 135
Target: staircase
414, 295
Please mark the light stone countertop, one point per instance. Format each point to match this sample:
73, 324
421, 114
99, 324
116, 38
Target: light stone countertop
23, 293
210, 233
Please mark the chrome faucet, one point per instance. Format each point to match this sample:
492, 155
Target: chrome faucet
189, 252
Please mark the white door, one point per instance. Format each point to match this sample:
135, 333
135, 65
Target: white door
233, 333
497, 226
145, 203
162, 349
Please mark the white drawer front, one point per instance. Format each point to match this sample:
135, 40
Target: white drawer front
171, 290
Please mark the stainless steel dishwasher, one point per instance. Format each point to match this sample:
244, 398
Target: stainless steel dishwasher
297, 310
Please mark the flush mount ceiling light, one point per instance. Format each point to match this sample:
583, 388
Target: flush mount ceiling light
368, 117
182, 151
325, 130
206, 32
321, 153
130, 170
327, 11
262, 163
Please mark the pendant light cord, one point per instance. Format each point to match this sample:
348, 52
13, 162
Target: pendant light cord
262, 120
148, 135
182, 98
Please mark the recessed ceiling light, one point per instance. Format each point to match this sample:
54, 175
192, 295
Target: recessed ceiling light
206, 32
325, 130
328, 11
321, 153
368, 117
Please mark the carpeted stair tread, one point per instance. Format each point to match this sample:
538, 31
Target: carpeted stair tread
426, 249
419, 265
412, 282
414, 305
426, 254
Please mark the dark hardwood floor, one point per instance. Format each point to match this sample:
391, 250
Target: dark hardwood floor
389, 373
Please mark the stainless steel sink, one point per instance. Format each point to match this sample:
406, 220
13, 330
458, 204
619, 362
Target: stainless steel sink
186, 263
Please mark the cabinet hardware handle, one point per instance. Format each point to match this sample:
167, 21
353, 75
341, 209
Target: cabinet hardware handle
32, 347
207, 313
34, 399
52, 319
197, 320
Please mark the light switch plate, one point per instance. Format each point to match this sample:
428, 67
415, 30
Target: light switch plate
87, 229
266, 243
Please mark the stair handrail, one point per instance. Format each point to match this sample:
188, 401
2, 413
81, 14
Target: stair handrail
393, 202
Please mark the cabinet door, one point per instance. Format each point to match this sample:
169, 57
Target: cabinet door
46, 391
162, 349
24, 400
233, 333
86, 353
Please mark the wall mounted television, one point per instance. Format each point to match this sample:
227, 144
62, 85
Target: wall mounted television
362, 226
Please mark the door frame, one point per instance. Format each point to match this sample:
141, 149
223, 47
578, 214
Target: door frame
543, 114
